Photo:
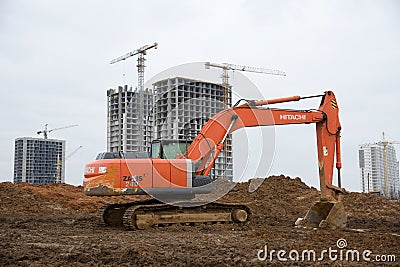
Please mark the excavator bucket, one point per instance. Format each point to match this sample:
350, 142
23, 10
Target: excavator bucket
324, 214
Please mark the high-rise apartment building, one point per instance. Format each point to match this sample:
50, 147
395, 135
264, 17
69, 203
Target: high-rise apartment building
373, 169
176, 108
128, 119
183, 106
39, 161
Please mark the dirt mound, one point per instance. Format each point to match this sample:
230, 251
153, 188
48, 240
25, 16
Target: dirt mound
371, 211
24, 198
55, 225
278, 200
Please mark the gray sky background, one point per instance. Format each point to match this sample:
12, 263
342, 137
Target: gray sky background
54, 66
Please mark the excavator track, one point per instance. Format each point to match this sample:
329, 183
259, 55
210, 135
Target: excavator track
146, 216
151, 213
112, 214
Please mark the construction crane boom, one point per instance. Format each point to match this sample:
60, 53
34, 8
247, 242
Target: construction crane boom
45, 131
134, 52
140, 52
227, 66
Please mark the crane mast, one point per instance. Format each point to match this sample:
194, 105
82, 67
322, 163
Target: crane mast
141, 52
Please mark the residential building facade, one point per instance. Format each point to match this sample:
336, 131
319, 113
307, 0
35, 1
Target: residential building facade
39, 161
373, 169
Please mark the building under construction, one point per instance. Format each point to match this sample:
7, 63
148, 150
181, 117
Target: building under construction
182, 106
176, 108
373, 170
39, 161
128, 119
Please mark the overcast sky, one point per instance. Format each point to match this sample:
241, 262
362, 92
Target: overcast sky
54, 67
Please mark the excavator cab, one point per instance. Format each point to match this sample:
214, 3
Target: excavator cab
168, 148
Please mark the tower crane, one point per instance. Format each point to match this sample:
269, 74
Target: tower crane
385, 144
141, 52
45, 131
227, 66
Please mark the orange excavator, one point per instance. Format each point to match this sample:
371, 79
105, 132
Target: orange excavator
176, 170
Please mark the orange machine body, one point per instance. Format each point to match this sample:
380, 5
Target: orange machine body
140, 176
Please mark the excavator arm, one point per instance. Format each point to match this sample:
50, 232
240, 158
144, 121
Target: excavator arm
209, 142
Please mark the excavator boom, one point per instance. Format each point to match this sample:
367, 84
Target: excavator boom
329, 211
252, 114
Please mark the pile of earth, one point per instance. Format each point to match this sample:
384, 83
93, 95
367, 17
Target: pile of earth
25, 199
56, 225
278, 200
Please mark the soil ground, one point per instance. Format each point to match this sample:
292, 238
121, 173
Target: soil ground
56, 225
